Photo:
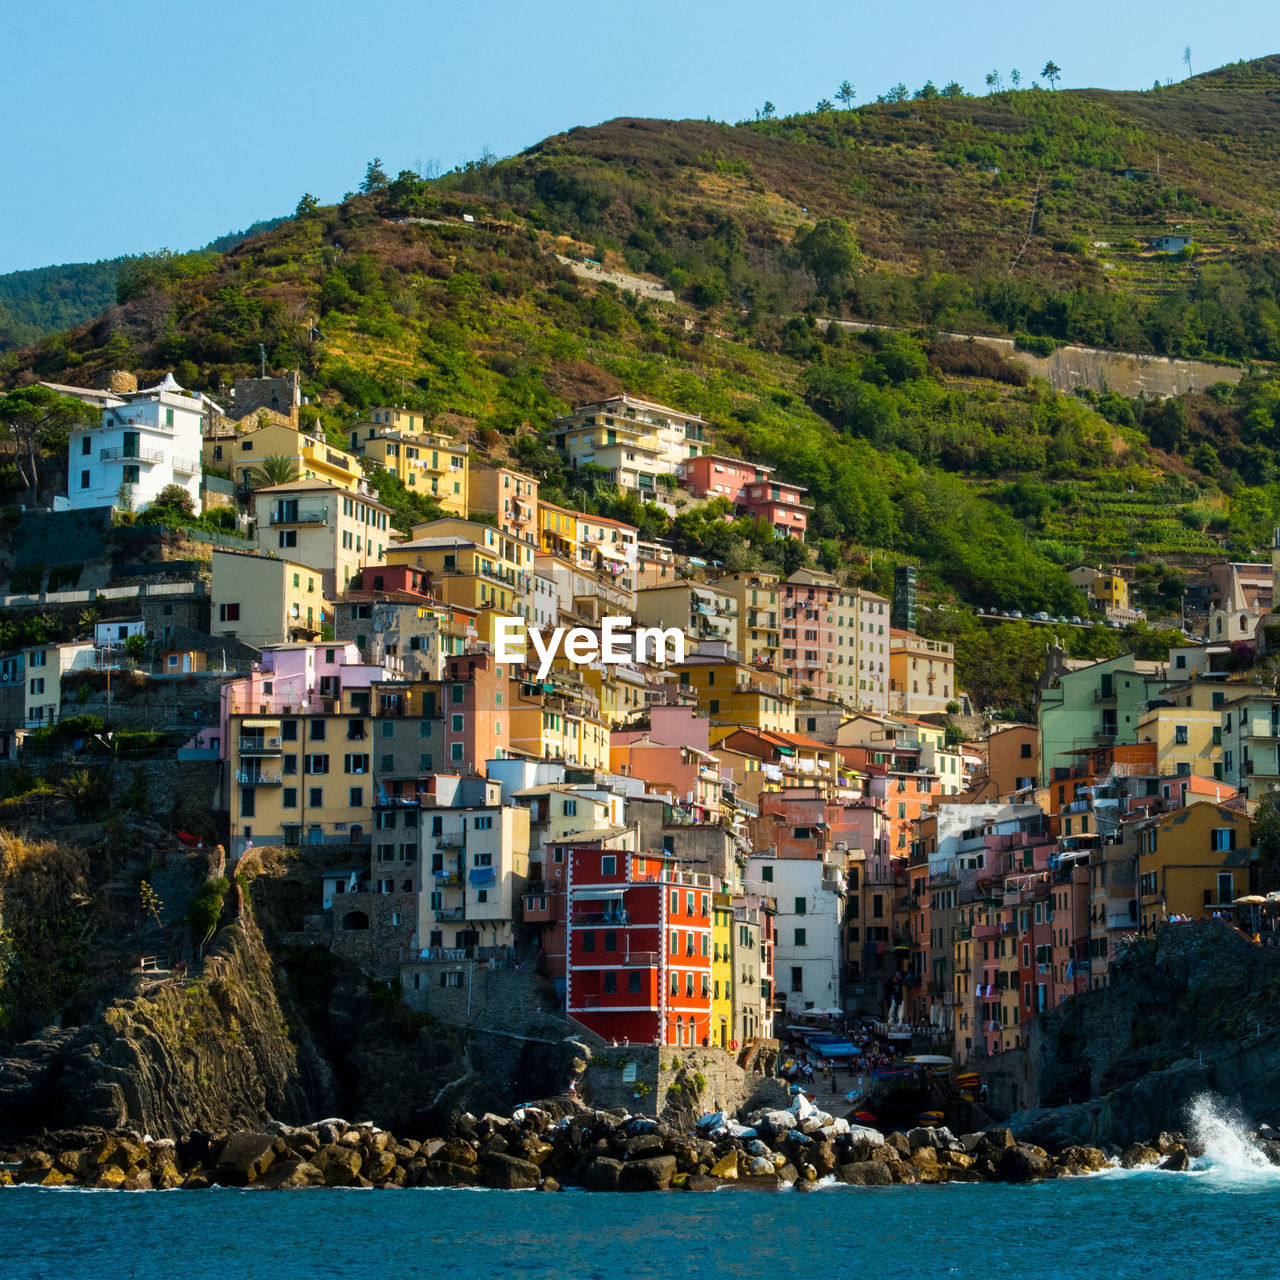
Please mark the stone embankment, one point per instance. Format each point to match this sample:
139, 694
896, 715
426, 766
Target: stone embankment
561, 1143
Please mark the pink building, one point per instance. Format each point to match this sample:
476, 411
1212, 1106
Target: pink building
715, 476
672, 756
780, 504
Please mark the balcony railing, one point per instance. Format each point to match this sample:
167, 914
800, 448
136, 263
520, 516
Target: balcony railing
247, 778
311, 515
119, 454
260, 746
187, 466
450, 915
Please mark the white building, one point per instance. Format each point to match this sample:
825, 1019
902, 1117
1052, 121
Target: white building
635, 441
146, 441
474, 860
808, 928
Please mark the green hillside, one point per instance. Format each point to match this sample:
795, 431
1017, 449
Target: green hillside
49, 299
913, 213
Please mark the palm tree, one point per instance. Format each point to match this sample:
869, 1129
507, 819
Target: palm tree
87, 790
275, 469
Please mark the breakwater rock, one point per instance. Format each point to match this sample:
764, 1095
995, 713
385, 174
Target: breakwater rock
561, 1143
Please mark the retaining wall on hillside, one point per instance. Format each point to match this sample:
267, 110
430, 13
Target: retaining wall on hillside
1069, 367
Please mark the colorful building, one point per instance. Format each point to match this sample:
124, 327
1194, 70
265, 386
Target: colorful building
330, 530
638, 443
265, 600
241, 453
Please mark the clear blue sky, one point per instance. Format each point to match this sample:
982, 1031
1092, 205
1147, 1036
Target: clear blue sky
139, 125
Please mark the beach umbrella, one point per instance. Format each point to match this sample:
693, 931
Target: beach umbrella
1251, 900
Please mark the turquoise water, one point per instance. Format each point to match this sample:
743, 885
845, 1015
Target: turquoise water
1222, 1215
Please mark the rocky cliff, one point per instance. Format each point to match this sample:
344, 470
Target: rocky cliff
1192, 1012
238, 1031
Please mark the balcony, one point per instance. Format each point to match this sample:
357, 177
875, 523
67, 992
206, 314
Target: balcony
309, 515
260, 746
119, 454
450, 915
186, 466
250, 778
581, 918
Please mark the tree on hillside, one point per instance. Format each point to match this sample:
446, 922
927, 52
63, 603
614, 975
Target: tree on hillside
275, 469
36, 420
830, 250
927, 92
994, 83
375, 177
1015, 77
1266, 837
768, 111
846, 94
898, 93
308, 204
824, 105
1051, 72
1186, 57
953, 90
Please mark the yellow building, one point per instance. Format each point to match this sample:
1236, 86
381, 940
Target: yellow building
1192, 862
332, 530
1188, 739
557, 719
1110, 590
433, 465
558, 531
241, 454
723, 1031
619, 690
755, 597
922, 674
263, 600
473, 565
737, 695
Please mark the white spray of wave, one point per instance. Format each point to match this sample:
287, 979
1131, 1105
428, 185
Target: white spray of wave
1228, 1147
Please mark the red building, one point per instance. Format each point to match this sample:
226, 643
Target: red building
780, 504
637, 963
714, 476
392, 578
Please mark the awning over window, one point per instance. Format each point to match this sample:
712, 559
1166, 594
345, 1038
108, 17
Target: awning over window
258, 722
481, 875
598, 895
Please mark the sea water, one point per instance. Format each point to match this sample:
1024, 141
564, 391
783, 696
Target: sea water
1222, 1216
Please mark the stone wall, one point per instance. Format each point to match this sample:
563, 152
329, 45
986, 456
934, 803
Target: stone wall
278, 394
1070, 367
666, 1082
144, 702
